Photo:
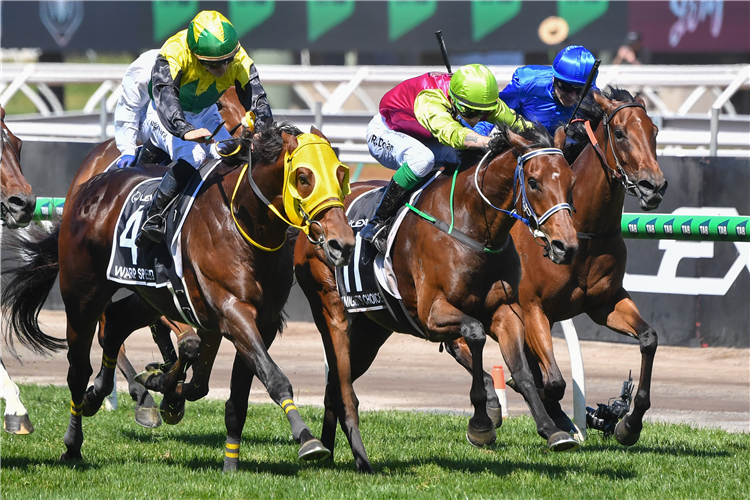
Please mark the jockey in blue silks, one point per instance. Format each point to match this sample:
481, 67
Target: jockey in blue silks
547, 94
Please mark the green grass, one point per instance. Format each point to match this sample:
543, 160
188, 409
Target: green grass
415, 455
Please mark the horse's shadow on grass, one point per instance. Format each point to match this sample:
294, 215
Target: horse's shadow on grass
210, 439
25, 463
677, 450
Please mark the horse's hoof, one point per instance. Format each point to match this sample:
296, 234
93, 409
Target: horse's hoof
147, 417
496, 415
313, 450
172, 414
562, 441
145, 378
69, 456
230, 464
18, 424
480, 439
624, 436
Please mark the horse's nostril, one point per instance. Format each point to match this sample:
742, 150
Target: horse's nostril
21, 203
558, 246
646, 186
334, 245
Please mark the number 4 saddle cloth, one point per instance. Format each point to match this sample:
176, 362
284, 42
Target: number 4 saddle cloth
155, 265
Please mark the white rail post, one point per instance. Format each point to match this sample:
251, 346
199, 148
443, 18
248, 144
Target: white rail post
714, 144
103, 116
579, 382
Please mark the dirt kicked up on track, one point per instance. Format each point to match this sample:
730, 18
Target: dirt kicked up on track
707, 387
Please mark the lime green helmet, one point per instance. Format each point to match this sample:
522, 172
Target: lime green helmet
211, 37
474, 87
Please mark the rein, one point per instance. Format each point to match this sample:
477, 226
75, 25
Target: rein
618, 173
256, 189
518, 176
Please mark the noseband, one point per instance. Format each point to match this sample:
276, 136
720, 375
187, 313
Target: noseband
619, 173
519, 178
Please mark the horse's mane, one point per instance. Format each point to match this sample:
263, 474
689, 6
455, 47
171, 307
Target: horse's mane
270, 144
538, 136
591, 111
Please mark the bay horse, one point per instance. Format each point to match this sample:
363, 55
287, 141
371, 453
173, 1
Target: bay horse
95, 163
618, 157
450, 288
17, 203
237, 265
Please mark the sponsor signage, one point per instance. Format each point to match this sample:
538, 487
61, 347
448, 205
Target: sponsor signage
692, 25
404, 26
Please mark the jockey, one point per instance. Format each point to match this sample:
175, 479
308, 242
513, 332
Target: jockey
547, 94
420, 126
192, 71
130, 111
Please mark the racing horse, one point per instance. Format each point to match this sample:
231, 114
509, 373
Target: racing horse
17, 203
237, 267
618, 158
97, 162
451, 288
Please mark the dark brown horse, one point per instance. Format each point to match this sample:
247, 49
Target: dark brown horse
625, 161
236, 264
17, 204
96, 162
450, 289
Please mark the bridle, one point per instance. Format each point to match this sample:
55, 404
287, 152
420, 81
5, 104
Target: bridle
519, 178
4, 208
618, 173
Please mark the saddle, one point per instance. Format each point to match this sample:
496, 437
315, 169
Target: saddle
159, 265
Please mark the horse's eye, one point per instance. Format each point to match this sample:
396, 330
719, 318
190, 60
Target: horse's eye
533, 184
619, 134
304, 180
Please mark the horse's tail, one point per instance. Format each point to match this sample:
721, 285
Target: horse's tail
29, 284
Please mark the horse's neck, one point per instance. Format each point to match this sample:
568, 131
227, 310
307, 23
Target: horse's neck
258, 220
598, 197
495, 180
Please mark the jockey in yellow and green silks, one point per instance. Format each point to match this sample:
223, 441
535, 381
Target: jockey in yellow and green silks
192, 71
422, 123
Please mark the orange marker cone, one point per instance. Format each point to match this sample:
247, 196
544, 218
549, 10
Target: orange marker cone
498, 378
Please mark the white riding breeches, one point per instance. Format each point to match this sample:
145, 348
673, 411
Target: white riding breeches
178, 149
392, 149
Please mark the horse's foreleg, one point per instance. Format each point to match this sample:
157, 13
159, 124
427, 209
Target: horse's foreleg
16, 419
623, 317
123, 318
461, 353
240, 326
146, 413
508, 328
235, 411
445, 319
540, 357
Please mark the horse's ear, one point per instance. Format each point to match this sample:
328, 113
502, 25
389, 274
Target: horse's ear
2, 113
516, 141
640, 100
319, 133
560, 138
603, 102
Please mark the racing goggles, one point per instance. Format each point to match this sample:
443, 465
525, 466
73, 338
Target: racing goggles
472, 113
217, 64
568, 88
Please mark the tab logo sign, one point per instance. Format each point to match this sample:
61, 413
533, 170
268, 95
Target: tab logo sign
666, 279
246, 16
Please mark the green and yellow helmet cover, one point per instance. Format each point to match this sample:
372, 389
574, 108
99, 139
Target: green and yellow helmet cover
211, 37
474, 86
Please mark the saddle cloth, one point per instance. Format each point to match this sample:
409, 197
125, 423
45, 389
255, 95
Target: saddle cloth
368, 282
155, 265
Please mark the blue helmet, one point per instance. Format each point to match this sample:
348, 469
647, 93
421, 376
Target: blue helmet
573, 65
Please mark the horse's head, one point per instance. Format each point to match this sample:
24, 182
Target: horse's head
543, 188
630, 145
314, 184
17, 201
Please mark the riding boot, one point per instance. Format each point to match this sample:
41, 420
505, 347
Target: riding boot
152, 155
173, 182
375, 231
